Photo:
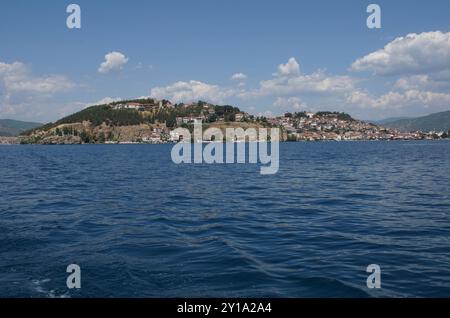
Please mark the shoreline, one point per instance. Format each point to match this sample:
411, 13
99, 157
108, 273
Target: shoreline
18, 143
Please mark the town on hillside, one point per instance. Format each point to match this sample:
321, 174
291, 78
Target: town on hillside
154, 121
308, 126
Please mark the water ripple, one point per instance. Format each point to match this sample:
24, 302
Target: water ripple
141, 226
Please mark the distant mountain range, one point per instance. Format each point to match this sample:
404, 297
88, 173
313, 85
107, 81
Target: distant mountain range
388, 120
434, 122
9, 127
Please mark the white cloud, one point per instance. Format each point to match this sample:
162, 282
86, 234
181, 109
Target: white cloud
291, 68
413, 82
422, 53
114, 61
26, 96
316, 83
17, 78
424, 82
288, 81
239, 77
420, 64
290, 103
191, 91
408, 100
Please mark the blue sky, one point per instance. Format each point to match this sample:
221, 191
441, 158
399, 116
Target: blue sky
189, 50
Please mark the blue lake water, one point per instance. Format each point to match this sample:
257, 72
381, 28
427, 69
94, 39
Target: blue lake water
141, 226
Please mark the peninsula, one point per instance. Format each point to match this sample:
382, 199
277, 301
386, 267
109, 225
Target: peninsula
153, 121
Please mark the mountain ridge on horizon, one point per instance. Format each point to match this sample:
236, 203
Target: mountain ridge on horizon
439, 121
13, 127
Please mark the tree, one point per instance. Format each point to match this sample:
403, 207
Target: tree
101, 138
171, 122
67, 131
85, 137
230, 117
212, 118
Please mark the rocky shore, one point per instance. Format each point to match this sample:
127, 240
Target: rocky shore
9, 140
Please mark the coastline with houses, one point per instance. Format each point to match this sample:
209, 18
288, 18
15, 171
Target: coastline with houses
154, 121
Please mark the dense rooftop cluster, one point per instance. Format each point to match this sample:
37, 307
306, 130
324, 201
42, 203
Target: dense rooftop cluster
340, 126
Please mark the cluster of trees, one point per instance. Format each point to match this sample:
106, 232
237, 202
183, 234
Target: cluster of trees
164, 116
338, 115
144, 101
227, 112
85, 136
104, 114
261, 119
296, 115
66, 131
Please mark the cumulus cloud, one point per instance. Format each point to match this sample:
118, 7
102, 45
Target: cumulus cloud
289, 81
291, 68
420, 65
192, 91
316, 83
422, 53
17, 78
114, 61
26, 96
239, 77
294, 103
413, 82
285, 83
422, 82
408, 100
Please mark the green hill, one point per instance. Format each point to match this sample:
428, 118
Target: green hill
434, 122
116, 117
9, 127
